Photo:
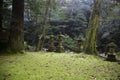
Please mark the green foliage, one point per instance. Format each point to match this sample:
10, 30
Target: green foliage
36, 9
6, 14
58, 14
77, 23
69, 43
28, 47
76, 14
45, 66
109, 23
116, 37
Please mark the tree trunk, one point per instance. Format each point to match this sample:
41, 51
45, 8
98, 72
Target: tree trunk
1, 13
118, 1
90, 43
16, 41
42, 37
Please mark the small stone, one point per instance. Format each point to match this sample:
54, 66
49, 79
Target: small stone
111, 57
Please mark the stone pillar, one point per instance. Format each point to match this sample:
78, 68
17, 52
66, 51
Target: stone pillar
79, 45
51, 46
112, 47
60, 47
111, 54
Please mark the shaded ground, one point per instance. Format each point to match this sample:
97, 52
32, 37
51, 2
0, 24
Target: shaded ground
55, 66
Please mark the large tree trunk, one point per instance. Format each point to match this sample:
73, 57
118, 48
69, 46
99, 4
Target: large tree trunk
42, 37
1, 13
118, 1
16, 41
90, 43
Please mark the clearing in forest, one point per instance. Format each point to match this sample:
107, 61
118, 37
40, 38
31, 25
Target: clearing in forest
55, 66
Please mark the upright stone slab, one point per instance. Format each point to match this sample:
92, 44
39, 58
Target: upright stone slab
79, 45
60, 46
51, 46
111, 56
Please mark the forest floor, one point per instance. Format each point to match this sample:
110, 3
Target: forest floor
55, 66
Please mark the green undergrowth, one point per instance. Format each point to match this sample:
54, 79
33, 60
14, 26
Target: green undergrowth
118, 55
56, 66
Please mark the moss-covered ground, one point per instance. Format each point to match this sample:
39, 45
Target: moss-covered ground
56, 66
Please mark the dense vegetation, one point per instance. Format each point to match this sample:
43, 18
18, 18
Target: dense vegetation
69, 17
85, 32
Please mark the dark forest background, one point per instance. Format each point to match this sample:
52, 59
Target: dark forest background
68, 17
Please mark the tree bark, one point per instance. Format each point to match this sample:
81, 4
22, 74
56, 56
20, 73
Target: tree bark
118, 1
90, 43
1, 13
16, 41
42, 37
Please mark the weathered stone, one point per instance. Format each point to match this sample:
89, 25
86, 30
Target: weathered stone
60, 47
112, 47
79, 45
51, 46
111, 54
111, 57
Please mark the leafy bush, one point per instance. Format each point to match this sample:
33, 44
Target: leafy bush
69, 43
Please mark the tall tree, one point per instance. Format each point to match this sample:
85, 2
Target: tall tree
16, 41
1, 13
42, 37
118, 1
90, 43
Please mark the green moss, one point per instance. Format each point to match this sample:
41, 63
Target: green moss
90, 43
52, 66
